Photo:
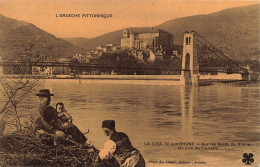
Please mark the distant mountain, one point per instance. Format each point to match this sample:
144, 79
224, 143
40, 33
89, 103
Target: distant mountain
78, 41
15, 36
112, 37
235, 31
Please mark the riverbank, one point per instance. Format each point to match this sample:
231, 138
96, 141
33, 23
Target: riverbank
220, 76
101, 77
227, 80
25, 150
230, 83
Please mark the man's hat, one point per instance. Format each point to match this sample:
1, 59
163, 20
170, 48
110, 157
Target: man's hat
44, 93
110, 124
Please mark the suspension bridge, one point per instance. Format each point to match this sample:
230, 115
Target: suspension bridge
198, 56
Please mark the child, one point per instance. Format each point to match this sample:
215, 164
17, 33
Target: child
64, 119
64, 122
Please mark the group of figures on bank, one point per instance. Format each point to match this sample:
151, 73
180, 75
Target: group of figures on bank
57, 124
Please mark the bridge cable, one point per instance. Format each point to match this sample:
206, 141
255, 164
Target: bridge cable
214, 52
220, 56
222, 53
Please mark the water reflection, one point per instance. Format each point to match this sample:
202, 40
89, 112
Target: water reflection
187, 103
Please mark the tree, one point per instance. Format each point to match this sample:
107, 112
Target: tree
14, 89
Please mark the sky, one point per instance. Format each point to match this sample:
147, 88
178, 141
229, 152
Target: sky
125, 13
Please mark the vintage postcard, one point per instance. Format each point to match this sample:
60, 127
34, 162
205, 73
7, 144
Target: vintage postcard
155, 83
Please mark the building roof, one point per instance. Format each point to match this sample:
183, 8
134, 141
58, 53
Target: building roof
156, 52
140, 30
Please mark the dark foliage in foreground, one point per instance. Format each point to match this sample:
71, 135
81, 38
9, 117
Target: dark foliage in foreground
26, 150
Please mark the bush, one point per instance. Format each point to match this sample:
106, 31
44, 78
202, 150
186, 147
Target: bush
26, 150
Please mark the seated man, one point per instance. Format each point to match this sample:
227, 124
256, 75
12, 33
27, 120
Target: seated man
44, 117
45, 120
120, 147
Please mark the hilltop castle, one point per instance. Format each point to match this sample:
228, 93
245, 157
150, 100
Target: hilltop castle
146, 37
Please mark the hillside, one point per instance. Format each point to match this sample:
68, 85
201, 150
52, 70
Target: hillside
77, 41
235, 31
15, 36
91, 43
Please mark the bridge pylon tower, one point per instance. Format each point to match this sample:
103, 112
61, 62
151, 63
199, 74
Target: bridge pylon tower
190, 66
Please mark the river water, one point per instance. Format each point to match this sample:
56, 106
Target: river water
160, 118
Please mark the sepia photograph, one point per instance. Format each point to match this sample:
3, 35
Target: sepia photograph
129, 83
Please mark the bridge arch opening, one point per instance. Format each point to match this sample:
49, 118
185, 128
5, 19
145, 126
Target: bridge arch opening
187, 61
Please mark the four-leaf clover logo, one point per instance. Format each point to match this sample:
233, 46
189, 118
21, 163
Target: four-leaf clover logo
248, 158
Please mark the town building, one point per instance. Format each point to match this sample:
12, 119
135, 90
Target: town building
60, 70
83, 57
79, 57
177, 51
36, 70
146, 37
64, 60
108, 48
138, 54
100, 48
155, 54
